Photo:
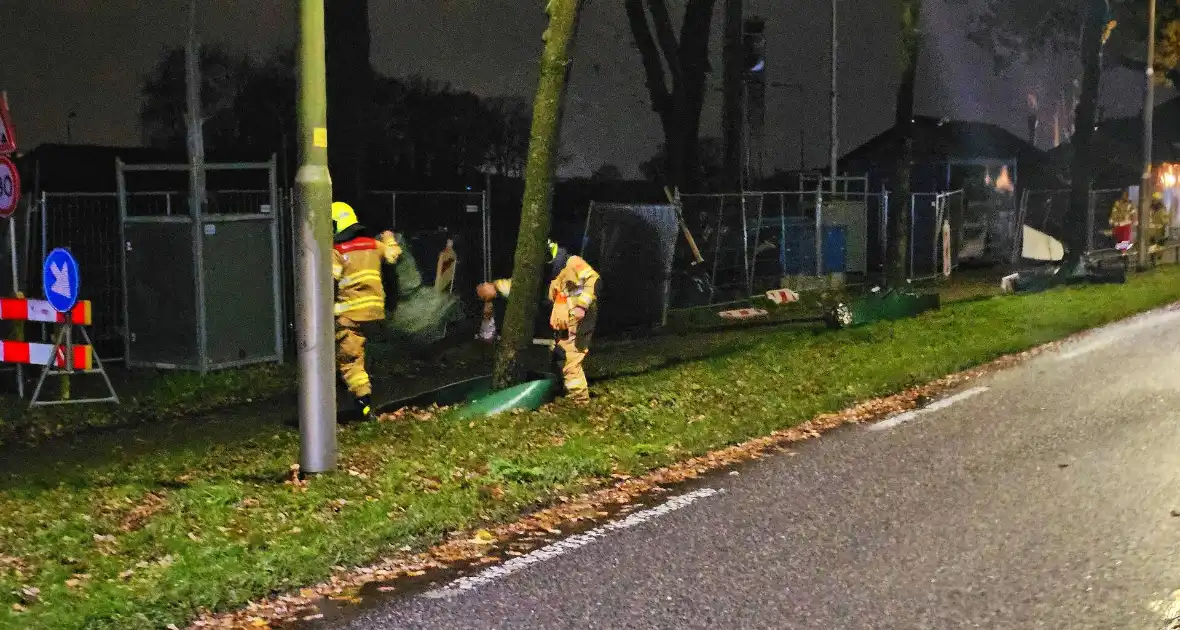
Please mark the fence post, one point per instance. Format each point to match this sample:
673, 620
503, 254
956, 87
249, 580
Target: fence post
1090, 207
278, 283
486, 225
913, 203
819, 227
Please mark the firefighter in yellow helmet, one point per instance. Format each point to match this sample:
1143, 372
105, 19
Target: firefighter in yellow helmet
1123, 216
360, 297
573, 287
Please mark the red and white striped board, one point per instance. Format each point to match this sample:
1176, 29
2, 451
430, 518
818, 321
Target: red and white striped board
782, 296
744, 313
39, 353
14, 309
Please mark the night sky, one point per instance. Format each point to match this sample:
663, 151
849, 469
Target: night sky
61, 57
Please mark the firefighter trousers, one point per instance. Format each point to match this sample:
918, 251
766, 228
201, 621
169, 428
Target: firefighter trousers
573, 344
350, 355
577, 388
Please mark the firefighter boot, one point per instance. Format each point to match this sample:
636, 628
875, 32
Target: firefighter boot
364, 406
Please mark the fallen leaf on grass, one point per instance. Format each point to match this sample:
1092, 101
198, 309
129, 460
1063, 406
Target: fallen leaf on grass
415, 573
148, 506
294, 480
30, 594
125, 575
18, 608
483, 537
193, 537
259, 622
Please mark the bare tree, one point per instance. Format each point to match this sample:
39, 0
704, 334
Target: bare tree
676, 69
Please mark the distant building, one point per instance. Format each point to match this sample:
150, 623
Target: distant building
952, 155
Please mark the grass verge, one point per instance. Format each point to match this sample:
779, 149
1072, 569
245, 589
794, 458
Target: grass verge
114, 533
145, 397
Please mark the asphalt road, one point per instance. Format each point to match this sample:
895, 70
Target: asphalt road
1044, 501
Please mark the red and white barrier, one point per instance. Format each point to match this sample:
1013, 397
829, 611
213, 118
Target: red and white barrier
39, 354
782, 296
14, 309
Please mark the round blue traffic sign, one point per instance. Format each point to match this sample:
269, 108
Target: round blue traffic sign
59, 280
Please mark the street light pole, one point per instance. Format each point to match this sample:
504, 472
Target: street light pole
1145, 185
313, 290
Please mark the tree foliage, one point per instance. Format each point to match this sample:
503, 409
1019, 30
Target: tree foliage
162, 114
1018, 31
418, 131
606, 173
710, 167
676, 68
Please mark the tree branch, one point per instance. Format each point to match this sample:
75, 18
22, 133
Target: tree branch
1133, 63
661, 99
694, 35
666, 36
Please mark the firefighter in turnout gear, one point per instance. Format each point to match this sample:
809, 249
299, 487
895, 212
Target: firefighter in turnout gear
1160, 219
1122, 218
360, 297
573, 287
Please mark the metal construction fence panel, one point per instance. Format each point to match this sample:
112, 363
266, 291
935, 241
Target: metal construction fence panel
1101, 203
756, 241
928, 212
87, 224
219, 259
1048, 211
430, 217
632, 246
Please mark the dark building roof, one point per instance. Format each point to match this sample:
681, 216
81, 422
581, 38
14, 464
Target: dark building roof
940, 142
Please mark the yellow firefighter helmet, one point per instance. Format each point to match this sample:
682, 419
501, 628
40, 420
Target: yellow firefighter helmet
1157, 196
343, 216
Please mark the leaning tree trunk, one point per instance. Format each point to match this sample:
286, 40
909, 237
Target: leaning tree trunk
898, 242
544, 142
1085, 118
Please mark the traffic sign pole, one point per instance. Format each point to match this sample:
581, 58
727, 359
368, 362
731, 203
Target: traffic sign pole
59, 280
313, 292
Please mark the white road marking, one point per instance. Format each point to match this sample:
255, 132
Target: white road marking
563, 547
1109, 335
902, 418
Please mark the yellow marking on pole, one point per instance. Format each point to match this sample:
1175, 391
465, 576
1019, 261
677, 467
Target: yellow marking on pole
319, 137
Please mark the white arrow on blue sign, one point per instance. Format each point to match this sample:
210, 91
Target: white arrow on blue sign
59, 280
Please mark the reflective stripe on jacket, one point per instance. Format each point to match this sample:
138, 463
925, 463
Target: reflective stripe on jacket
356, 268
576, 282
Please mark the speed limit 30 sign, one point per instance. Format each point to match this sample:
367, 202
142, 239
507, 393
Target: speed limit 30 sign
9, 187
